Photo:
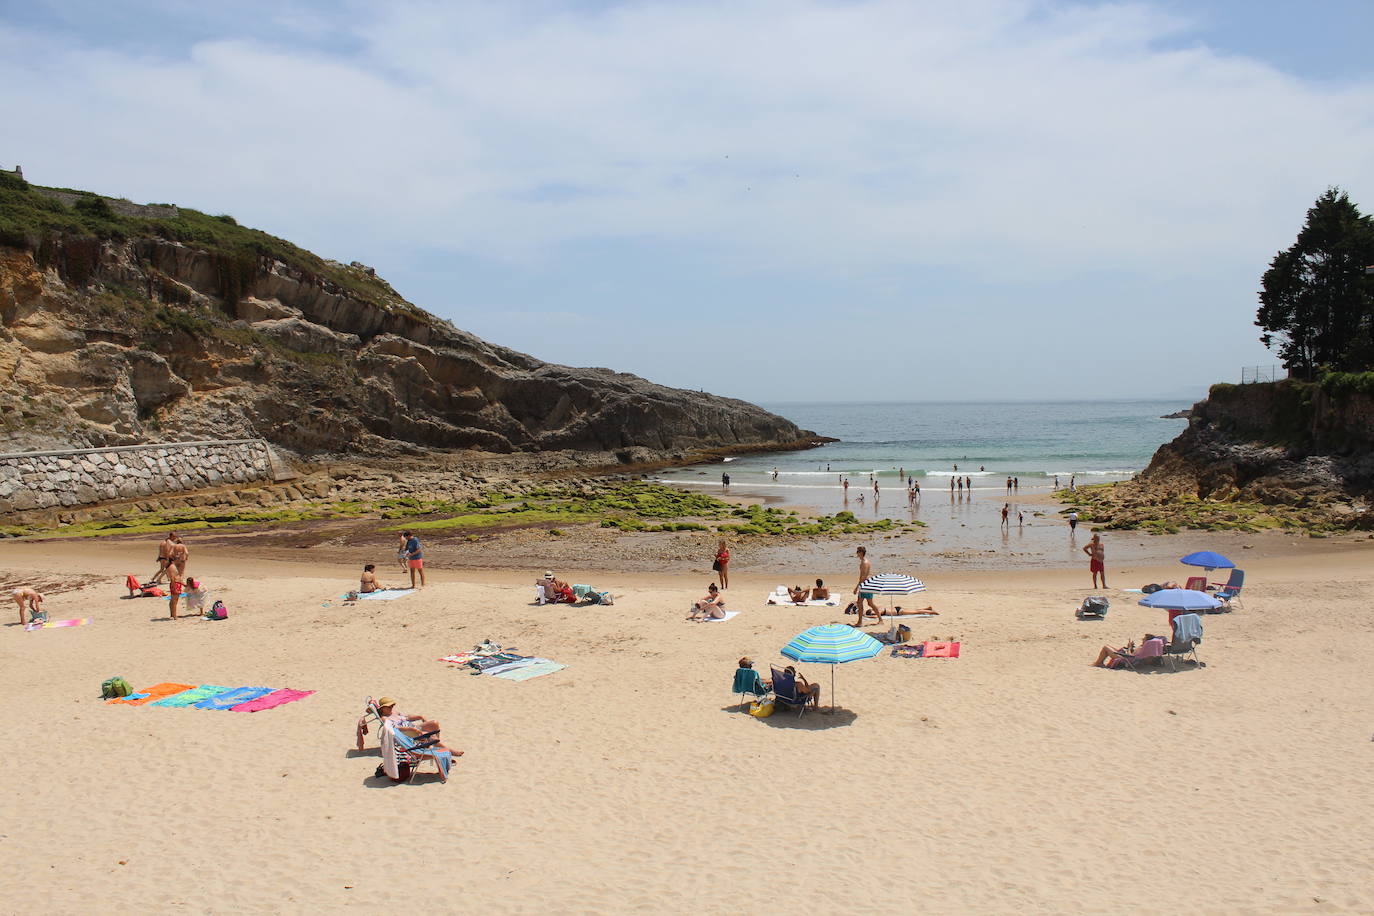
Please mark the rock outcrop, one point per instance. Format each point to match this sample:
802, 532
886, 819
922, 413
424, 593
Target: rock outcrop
114, 342
1284, 453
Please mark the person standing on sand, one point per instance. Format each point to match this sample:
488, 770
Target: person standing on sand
865, 570
32, 597
1006, 509
951, 488
176, 586
415, 558
180, 554
845, 481
722, 564
968, 485
1097, 558
164, 555
401, 552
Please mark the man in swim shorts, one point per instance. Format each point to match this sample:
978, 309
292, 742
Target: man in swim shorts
164, 555
865, 570
1097, 558
415, 559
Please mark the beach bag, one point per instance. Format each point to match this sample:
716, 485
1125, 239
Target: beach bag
115, 687
761, 709
217, 611
1152, 588
715, 567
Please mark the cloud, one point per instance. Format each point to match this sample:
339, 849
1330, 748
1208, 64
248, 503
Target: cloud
1012, 142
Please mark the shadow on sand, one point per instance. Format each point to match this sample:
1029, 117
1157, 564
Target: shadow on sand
814, 720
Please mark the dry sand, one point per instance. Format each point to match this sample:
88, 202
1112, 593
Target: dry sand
1013, 779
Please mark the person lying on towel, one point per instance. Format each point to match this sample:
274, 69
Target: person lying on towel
712, 606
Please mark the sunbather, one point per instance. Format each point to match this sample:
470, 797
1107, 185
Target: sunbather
1108, 654
712, 606
798, 594
555, 589
419, 726
820, 592
805, 689
369, 581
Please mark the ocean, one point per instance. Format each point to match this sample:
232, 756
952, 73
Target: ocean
1084, 441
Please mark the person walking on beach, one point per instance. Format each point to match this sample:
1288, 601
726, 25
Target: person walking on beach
1020, 519
722, 564
875, 489
1006, 510
1056, 481
775, 473
1097, 558
415, 558
1016, 484
916, 485
1073, 521
951, 487
845, 481
865, 570
1008, 484
401, 552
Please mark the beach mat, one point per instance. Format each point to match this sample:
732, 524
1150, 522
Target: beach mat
942, 650
233, 697
728, 616
776, 600
386, 594
191, 697
278, 697
527, 672
150, 694
52, 624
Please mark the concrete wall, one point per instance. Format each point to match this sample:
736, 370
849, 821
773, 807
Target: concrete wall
80, 477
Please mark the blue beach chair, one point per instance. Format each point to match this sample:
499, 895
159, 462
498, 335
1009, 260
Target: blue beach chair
415, 751
748, 683
1230, 592
785, 692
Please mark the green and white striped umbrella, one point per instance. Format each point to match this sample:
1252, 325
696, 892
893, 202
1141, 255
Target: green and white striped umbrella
832, 644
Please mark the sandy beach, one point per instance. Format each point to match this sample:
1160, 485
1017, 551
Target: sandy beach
1014, 778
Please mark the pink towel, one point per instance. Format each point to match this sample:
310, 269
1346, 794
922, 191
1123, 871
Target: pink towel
271, 700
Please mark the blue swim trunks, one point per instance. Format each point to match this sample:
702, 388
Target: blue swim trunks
865, 596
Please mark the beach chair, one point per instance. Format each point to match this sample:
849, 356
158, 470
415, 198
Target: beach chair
1187, 635
1197, 583
1094, 607
748, 683
399, 748
1150, 652
1230, 591
785, 692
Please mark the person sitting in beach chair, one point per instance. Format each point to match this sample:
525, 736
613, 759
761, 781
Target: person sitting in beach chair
793, 690
1128, 656
409, 740
798, 594
748, 682
710, 606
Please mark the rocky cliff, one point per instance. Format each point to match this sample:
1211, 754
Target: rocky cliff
1285, 453
148, 330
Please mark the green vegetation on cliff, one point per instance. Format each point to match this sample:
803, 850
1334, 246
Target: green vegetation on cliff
32, 220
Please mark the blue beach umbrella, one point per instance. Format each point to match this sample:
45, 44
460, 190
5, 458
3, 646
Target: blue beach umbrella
1208, 560
832, 644
1180, 599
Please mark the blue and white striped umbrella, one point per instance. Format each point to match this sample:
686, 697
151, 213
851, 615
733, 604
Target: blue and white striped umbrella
892, 584
1180, 599
832, 644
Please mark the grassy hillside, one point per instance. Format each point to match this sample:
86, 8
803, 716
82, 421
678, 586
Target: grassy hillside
28, 217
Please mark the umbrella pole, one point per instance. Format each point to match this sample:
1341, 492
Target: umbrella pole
832, 688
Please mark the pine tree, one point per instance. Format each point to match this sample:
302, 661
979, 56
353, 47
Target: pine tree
1317, 303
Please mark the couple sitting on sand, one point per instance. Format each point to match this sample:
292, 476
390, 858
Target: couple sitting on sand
799, 595
555, 590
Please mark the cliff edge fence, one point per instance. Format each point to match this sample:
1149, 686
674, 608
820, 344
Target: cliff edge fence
85, 476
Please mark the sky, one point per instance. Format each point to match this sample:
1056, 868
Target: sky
777, 200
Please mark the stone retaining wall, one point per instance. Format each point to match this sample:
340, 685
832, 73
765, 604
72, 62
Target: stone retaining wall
80, 477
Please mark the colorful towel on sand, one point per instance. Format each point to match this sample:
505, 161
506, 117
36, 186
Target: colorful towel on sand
777, 599
149, 694
50, 624
942, 650
458, 658
276, 698
192, 696
524, 673
231, 698
386, 594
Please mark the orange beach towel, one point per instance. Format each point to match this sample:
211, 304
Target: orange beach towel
155, 692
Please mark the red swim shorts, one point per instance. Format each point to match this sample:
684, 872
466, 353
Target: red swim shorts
417, 564
1096, 566
176, 587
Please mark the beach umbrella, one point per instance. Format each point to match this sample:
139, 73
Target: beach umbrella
832, 644
1180, 599
1208, 560
892, 584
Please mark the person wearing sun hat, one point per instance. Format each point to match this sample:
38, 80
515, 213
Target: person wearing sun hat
747, 680
422, 725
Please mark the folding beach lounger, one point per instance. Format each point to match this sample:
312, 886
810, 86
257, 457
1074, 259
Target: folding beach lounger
1230, 592
1187, 635
1150, 650
399, 748
785, 692
748, 683
1196, 583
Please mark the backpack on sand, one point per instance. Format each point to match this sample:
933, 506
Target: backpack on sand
217, 611
115, 687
